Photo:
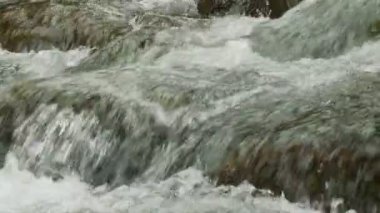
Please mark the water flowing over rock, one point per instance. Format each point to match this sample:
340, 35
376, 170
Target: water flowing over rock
338, 140
132, 46
271, 8
293, 40
159, 97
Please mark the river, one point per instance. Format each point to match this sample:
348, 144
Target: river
154, 120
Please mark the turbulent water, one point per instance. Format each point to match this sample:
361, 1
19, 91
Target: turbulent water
187, 191
138, 127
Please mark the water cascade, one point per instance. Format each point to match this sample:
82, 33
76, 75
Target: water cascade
147, 106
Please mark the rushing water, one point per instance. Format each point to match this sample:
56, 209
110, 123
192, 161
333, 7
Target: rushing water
137, 128
187, 191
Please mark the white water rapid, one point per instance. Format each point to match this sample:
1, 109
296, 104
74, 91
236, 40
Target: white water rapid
63, 161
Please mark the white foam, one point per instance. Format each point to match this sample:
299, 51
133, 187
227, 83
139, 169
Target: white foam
187, 191
219, 50
45, 63
224, 47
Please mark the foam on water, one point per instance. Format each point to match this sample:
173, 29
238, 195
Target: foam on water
222, 50
188, 192
224, 47
43, 63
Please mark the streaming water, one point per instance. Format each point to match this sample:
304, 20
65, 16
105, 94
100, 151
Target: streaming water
188, 191
139, 126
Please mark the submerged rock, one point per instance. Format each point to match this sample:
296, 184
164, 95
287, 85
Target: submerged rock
271, 8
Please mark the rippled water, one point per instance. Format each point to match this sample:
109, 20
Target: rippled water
167, 115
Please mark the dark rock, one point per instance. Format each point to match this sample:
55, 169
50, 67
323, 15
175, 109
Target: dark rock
6, 130
279, 7
375, 29
208, 7
271, 8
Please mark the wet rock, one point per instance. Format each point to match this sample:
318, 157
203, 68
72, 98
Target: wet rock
271, 8
279, 7
340, 176
54, 175
129, 130
36, 25
6, 116
375, 29
170, 98
159, 21
209, 7
124, 50
6, 130
128, 48
319, 155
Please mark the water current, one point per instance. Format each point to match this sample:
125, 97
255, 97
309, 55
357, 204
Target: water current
147, 122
